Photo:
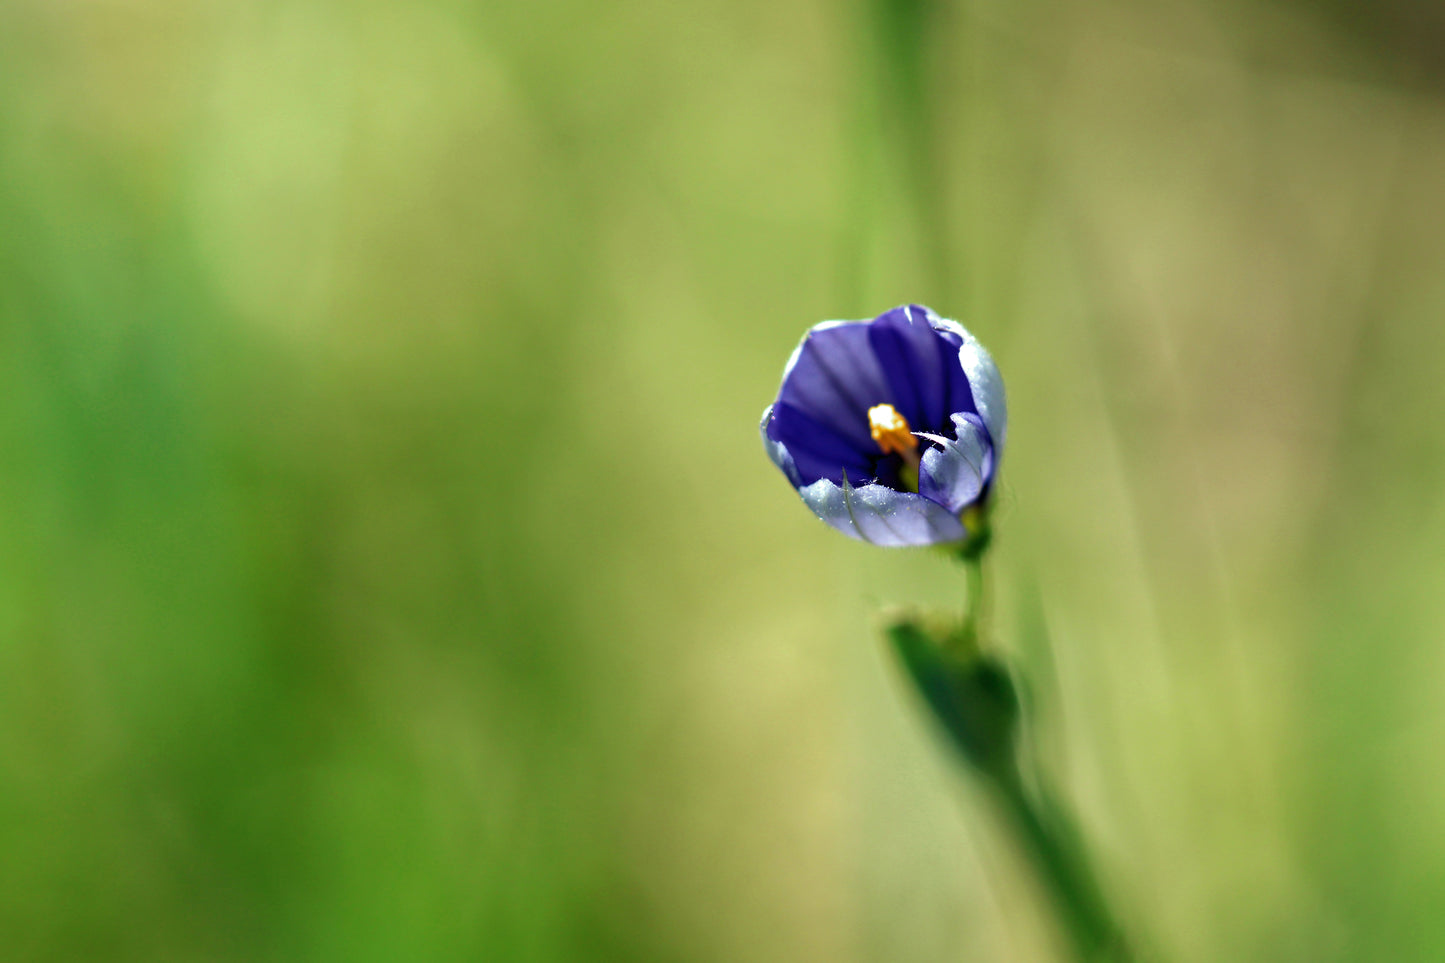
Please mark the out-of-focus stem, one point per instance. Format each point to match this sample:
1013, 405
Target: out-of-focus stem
973, 605
1048, 839
905, 32
1045, 831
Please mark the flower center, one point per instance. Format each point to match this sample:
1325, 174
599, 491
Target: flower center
890, 430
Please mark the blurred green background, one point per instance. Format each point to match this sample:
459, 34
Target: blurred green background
390, 570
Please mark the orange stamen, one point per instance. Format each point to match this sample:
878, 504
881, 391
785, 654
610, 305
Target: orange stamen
890, 430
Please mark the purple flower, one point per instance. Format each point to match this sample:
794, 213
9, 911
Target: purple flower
889, 429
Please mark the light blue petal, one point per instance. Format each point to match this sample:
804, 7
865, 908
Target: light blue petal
984, 379
954, 475
882, 516
776, 450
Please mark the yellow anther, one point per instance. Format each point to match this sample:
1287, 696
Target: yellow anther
890, 430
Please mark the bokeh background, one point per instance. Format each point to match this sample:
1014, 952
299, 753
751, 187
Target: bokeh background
390, 570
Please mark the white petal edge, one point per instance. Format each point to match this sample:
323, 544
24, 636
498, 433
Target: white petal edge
984, 379
777, 451
881, 516
955, 473
798, 351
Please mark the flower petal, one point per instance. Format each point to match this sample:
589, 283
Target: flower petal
776, 450
907, 349
984, 380
956, 473
834, 377
880, 515
817, 450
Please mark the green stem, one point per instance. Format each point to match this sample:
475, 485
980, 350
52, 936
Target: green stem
973, 697
1050, 842
1041, 824
973, 605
